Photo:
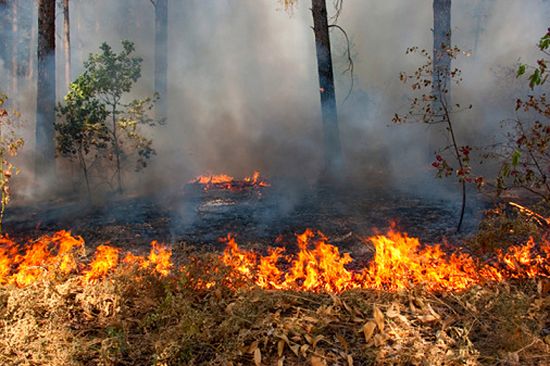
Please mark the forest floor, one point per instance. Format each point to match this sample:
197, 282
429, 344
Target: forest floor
136, 317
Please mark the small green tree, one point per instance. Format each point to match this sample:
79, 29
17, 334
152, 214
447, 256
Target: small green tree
98, 116
10, 143
81, 129
435, 109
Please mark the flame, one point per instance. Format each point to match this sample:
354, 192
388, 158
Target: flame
224, 181
54, 254
399, 262
59, 255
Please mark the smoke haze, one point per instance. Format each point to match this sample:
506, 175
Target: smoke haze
243, 89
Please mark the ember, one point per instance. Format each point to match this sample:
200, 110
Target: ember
400, 262
226, 182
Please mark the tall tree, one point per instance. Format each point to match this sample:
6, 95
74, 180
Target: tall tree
441, 58
45, 92
5, 31
161, 56
326, 85
67, 41
14, 48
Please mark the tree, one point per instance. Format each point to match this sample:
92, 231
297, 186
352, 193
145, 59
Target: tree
161, 56
5, 32
96, 119
82, 131
441, 55
332, 147
67, 41
45, 93
326, 85
452, 158
525, 162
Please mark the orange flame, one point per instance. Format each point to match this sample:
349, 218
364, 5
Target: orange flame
399, 262
224, 181
53, 254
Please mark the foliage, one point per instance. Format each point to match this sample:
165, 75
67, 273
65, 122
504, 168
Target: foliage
526, 156
10, 143
97, 121
431, 104
81, 129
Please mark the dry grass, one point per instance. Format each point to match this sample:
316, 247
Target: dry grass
135, 318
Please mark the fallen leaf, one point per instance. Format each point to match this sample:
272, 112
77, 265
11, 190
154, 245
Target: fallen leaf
368, 330
317, 361
257, 357
378, 318
426, 318
280, 347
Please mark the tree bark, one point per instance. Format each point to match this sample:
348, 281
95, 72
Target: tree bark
332, 148
14, 48
67, 42
45, 94
441, 58
4, 31
161, 57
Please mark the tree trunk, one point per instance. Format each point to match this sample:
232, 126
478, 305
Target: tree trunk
45, 94
161, 57
32, 47
332, 146
5, 33
14, 48
441, 58
67, 42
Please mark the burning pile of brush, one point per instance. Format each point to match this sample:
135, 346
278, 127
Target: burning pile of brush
226, 182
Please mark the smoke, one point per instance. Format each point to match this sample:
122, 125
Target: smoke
243, 89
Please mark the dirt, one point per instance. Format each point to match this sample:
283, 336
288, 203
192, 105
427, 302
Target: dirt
257, 216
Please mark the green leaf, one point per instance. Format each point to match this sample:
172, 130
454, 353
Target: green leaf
521, 70
516, 155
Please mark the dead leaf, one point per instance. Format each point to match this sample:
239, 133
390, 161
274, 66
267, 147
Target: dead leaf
257, 357
426, 318
253, 347
379, 340
368, 330
280, 361
317, 361
350, 360
378, 318
393, 311
280, 347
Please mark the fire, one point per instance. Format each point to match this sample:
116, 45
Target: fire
399, 262
55, 254
227, 182
59, 255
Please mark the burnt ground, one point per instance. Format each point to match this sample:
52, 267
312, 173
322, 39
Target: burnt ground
196, 219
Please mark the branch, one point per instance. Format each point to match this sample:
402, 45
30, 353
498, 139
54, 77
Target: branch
350, 67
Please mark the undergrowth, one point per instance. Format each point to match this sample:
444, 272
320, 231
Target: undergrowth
135, 318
